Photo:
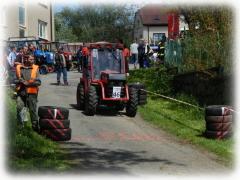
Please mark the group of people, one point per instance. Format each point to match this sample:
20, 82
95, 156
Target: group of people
141, 52
24, 72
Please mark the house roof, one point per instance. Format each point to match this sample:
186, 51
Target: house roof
153, 15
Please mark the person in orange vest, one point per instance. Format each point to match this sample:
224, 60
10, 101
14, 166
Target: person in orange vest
126, 54
27, 86
85, 54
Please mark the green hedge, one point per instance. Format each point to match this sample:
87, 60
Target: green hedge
155, 79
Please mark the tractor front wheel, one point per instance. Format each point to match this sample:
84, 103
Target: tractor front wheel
91, 101
131, 107
80, 96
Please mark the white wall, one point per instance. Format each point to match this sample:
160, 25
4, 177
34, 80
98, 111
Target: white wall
34, 12
12, 25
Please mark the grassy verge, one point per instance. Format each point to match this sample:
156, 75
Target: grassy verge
27, 150
182, 121
187, 124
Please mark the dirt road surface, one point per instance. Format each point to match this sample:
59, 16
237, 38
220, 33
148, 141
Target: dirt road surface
112, 143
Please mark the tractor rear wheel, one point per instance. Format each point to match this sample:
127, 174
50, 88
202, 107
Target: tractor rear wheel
91, 101
131, 107
80, 96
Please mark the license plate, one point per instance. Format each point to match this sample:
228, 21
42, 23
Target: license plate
116, 92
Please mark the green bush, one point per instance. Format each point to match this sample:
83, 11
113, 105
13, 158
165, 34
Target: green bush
155, 79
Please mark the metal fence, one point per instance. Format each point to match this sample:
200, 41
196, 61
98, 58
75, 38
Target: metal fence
196, 55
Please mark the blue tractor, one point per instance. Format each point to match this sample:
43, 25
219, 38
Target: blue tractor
44, 58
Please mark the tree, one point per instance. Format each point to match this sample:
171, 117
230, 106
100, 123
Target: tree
97, 23
209, 40
63, 31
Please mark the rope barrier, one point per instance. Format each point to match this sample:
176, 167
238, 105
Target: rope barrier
182, 102
166, 97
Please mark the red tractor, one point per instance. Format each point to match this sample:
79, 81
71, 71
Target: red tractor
104, 81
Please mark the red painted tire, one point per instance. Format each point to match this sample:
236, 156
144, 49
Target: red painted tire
58, 134
218, 110
219, 126
53, 124
53, 112
218, 134
218, 119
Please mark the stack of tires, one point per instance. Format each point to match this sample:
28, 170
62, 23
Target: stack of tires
54, 123
219, 122
142, 95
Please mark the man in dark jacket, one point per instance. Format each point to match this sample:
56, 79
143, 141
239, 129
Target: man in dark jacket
61, 67
141, 53
79, 59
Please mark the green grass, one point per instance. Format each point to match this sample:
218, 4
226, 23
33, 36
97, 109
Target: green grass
29, 151
187, 124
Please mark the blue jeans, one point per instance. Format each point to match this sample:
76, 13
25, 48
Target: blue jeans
134, 59
61, 70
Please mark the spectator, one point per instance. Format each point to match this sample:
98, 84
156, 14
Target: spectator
11, 64
147, 53
79, 59
141, 54
31, 49
161, 51
126, 54
27, 89
12, 57
61, 67
85, 54
134, 53
20, 56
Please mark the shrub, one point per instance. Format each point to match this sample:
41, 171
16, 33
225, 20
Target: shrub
155, 79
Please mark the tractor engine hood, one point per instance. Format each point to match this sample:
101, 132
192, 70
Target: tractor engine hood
112, 77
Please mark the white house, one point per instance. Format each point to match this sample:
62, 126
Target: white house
151, 23
23, 18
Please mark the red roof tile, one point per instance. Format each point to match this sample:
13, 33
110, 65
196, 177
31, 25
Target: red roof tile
153, 15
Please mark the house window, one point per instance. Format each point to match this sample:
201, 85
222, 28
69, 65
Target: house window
21, 16
157, 37
21, 33
42, 29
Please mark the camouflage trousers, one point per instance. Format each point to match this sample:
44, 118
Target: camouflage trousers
29, 101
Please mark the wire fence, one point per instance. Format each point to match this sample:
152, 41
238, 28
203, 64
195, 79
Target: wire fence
191, 54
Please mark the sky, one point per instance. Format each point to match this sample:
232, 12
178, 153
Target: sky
58, 5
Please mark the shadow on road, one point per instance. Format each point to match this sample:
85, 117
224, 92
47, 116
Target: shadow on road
85, 159
54, 84
73, 106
